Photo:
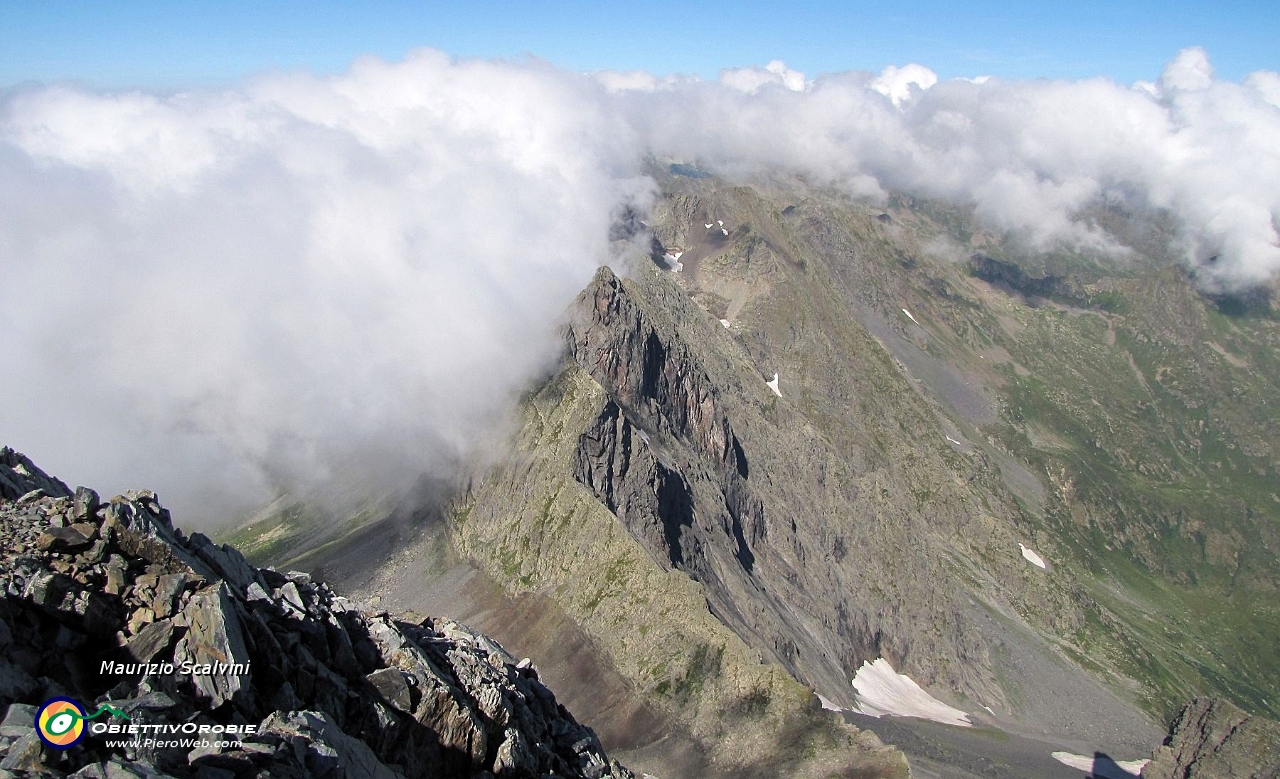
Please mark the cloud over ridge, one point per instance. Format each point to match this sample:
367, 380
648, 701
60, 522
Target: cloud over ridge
308, 275
1030, 155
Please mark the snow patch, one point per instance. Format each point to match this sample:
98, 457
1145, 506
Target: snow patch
954, 441
1032, 557
913, 319
773, 385
1119, 769
726, 232
707, 226
720, 222
826, 704
673, 261
988, 708
724, 322
882, 691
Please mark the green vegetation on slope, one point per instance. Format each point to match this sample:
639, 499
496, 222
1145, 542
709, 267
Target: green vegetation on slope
1144, 409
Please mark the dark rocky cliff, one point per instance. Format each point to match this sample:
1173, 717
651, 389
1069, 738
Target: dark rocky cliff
614, 340
664, 456
623, 500
330, 689
1213, 738
683, 488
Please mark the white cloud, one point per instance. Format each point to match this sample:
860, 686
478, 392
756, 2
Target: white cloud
1029, 155
750, 80
358, 272
315, 275
1267, 84
1149, 87
1190, 70
898, 84
628, 80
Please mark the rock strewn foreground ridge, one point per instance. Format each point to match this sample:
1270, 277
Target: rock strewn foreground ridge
330, 689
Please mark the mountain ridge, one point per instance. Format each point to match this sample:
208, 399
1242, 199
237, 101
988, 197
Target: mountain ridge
833, 427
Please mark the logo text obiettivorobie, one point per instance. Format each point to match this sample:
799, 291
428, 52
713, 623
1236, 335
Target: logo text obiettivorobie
60, 721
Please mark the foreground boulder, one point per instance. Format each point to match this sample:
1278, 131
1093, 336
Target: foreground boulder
258, 673
1213, 738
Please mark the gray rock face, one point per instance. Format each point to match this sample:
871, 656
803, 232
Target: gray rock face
86, 504
328, 751
19, 476
664, 456
1213, 738
653, 500
212, 641
614, 340
23, 754
149, 642
330, 689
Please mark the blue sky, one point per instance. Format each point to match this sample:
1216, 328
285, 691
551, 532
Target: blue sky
173, 45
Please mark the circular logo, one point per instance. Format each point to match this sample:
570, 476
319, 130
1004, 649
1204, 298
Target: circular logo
60, 723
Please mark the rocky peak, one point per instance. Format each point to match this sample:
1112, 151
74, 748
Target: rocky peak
650, 373
19, 478
168, 630
663, 456
656, 384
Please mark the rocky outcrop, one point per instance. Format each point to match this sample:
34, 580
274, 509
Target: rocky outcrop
616, 461
682, 488
111, 605
19, 477
1011, 274
612, 339
653, 500
1213, 738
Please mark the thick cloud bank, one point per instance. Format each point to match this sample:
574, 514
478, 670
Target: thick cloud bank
300, 279
306, 278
